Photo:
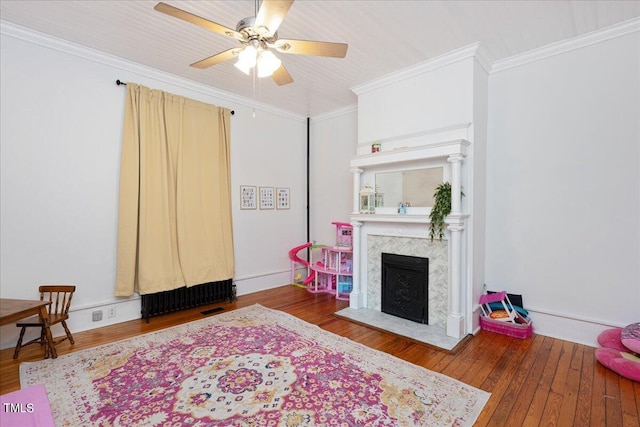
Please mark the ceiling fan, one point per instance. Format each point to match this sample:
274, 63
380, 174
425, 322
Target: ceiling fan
258, 37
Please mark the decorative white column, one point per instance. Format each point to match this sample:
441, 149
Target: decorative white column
456, 176
356, 297
455, 221
357, 172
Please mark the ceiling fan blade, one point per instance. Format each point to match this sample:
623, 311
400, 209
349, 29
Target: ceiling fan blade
271, 14
281, 76
218, 58
200, 22
307, 47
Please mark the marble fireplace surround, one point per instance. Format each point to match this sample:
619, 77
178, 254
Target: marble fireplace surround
404, 239
435, 251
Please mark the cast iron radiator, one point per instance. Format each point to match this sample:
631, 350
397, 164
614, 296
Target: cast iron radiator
183, 298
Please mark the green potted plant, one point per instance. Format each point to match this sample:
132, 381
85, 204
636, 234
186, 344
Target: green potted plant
441, 208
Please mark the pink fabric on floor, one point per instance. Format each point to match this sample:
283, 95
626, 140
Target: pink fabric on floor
610, 338
28, 407
623, 363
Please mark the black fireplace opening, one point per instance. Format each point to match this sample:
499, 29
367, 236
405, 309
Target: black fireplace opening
405, 287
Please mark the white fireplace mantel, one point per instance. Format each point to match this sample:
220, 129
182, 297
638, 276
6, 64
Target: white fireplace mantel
451, 152
399, 156
403, 219
395, 218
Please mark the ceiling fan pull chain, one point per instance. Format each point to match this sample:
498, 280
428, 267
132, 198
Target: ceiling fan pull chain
254, 89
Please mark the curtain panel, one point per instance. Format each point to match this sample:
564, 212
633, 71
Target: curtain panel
174, 213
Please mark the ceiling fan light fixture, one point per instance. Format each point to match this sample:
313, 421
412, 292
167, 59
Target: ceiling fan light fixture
268, 63
258, 34
247, 59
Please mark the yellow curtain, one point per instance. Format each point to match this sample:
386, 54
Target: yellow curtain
174, 225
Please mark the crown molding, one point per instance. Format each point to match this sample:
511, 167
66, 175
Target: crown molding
336, 113
483, 58
11, 30
423, 67
553, 49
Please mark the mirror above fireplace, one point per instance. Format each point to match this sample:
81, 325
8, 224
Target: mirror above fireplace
415, 186
435, 159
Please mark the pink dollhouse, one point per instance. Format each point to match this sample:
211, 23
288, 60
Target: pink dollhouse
332, 273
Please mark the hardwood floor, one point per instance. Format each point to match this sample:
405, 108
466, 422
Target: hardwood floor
539, 381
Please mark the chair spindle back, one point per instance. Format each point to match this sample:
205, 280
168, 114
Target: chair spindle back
59, 296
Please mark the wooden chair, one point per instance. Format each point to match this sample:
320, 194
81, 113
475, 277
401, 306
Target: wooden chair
60, 298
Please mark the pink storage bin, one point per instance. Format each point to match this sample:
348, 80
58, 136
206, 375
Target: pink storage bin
514, 325
515, 330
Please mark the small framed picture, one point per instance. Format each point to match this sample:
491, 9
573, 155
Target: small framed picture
282, 198
248, 197
266, 198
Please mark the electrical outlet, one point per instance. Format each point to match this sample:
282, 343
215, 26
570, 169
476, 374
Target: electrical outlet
96, 316
111, 312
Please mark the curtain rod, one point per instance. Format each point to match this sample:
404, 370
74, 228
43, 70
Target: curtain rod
121, 83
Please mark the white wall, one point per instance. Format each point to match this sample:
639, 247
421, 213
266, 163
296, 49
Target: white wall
563, 187
333, 143
269, 151
61, 124
432, 95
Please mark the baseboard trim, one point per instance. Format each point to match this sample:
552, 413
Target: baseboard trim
567, 327
80, 319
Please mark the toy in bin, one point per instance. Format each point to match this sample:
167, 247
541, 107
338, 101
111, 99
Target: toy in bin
499, 315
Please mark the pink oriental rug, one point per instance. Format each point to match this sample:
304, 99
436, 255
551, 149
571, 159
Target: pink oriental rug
249, 367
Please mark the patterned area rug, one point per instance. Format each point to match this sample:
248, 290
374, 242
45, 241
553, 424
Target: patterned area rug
249, 367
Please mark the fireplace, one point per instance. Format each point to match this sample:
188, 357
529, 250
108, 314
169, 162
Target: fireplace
454, 271
436, 252
405, 287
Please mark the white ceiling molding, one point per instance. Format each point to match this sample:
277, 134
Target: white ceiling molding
415, 32
336, 113
483, 58
421, 68
44, 40
553, 49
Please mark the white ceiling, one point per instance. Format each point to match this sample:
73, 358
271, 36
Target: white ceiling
383, 37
